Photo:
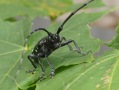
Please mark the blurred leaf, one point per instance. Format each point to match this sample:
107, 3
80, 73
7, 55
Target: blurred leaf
32, 8
12, 38
94, 4
35, 8
102, 74
115, 42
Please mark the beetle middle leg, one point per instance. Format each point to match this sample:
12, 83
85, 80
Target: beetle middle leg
75, 44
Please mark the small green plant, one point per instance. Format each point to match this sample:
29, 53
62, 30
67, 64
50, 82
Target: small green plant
73, 71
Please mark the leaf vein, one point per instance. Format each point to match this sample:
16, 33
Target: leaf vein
10, 43
10, 52
111, 56
109, 88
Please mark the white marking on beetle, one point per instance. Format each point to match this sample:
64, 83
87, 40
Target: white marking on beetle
36, 50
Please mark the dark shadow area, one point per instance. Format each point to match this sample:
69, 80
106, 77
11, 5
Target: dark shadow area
62, 68
30, 88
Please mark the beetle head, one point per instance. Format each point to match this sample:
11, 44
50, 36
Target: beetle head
54, 39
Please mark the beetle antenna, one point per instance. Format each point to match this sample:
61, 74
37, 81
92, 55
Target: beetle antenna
61, 27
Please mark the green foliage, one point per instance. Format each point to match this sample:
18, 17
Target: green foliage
114, 43
95, 4
73, 71
32, 8
11, 44
102, 74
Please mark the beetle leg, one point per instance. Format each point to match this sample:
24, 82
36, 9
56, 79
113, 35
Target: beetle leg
42, 68
30, 57
75, 44
53, 70
63, 38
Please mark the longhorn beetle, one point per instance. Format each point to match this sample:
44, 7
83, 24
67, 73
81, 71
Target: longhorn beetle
48, 44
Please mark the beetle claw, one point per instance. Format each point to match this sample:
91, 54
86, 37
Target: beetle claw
31, 71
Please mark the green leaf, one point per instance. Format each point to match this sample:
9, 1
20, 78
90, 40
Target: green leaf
102, 74
35, 8
32, 8
115, 43
12, 38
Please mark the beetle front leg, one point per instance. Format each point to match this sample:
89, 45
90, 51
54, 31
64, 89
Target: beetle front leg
30, 57
76, 45
63, 38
